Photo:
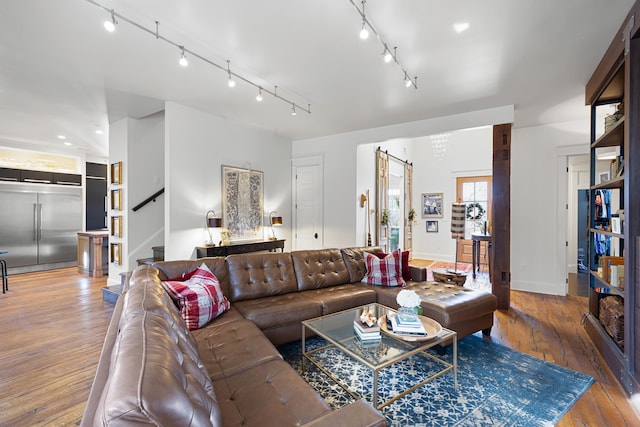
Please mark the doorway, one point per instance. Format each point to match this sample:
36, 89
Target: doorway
475, 192
307, 203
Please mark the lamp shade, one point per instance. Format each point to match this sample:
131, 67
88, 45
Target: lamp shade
457, 220
276, 220
214, 222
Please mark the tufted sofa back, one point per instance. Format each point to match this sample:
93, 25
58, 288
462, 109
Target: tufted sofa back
319, 268
156, 376
258, 275
354, 260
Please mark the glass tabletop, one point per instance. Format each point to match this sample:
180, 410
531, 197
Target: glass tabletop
338, 328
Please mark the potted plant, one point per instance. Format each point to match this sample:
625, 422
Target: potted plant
385, 217
412, 215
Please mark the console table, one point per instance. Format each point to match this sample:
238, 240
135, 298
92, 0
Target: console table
476, 240
240, 248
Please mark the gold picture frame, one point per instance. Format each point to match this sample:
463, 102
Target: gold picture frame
116, 199
116, 226
116, 253
116, 173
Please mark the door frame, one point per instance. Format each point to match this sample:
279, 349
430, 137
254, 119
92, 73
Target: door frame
470, 177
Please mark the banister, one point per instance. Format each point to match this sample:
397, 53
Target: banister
149, 199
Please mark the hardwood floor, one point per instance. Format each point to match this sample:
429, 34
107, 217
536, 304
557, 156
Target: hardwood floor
53, 324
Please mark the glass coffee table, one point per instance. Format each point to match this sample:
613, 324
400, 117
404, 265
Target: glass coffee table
337, 329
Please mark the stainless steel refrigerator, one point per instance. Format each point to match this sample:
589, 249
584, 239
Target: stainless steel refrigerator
39, 225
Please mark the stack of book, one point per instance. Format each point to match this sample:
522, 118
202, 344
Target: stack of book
365, 332
407, 327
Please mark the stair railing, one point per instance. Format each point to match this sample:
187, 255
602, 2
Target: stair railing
149, 199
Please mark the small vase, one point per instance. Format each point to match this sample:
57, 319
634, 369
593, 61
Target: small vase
407, 314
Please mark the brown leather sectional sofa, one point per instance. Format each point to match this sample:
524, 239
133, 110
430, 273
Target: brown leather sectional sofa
154, 371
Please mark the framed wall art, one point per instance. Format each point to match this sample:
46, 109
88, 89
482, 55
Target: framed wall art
242, 203
116, 199
432, 226
116, 173
432, 205
116, 253
116, 226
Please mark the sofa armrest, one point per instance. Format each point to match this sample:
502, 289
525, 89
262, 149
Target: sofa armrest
418, 274
358, 413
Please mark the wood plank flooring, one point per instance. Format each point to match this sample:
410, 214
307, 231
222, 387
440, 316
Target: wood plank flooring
52, 326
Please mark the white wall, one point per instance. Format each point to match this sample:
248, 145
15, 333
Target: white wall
196, 146
145, 177
118, 152
343, 180
138, 144
538, 203
469, 153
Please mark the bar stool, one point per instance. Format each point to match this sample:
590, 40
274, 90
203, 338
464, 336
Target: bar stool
3, 271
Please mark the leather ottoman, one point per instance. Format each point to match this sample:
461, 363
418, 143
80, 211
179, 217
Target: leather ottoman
454, 307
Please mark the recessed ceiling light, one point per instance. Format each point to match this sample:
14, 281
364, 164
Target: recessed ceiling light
67, 143
99, 131
62, 137
460, 27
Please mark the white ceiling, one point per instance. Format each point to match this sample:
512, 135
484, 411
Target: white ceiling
62, 73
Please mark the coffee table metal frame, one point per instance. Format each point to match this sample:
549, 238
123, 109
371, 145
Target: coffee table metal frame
337, 329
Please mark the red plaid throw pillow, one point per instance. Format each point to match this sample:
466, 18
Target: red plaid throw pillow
406, 272
200, 297
386, 271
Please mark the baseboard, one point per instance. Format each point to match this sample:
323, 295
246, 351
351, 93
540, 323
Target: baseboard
540, 287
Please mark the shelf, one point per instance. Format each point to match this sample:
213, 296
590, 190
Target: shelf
614, 137
599, 283
613, 356
615, 183
607, 233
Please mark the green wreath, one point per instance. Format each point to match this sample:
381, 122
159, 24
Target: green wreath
475, 208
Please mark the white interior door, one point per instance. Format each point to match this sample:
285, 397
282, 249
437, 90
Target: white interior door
308, 205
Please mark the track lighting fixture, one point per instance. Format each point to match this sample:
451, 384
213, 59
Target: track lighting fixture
231, 82
386, 53
293, 110
111, 25
364, 33
183, 59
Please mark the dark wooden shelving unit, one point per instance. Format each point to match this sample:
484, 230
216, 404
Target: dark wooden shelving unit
615, 80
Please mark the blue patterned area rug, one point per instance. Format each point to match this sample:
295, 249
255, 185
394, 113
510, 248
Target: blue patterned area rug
497, 386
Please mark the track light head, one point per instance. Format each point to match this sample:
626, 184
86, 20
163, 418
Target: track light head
231, 82
183, 59
111, 25
388, 57
364, 33
259, 96
293, 110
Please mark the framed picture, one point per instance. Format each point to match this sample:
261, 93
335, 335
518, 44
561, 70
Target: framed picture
432, 226
432, 205
116, 199
604, 177
116, 226
116, 253
242, 203
116, 173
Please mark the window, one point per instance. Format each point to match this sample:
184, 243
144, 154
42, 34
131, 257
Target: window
475, 192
